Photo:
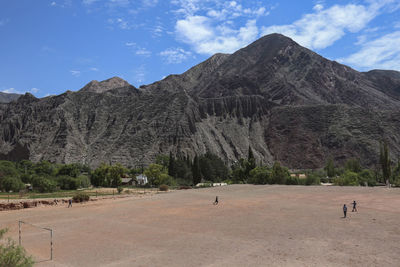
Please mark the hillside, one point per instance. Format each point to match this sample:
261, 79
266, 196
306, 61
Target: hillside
285, 101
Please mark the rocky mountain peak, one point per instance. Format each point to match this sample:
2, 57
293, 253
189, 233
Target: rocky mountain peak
104, 86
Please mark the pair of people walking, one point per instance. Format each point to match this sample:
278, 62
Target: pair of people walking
353, 210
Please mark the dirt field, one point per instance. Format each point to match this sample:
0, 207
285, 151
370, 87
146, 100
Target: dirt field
251, 226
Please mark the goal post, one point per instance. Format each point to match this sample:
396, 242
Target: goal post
36, 239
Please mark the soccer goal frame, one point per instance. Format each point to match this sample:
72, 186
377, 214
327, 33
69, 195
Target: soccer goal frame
43, 228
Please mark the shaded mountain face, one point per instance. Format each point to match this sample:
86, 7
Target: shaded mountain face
284, 101
7, 98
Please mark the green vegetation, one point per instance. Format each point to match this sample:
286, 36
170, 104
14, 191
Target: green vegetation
81, 197
11, 254
181, 171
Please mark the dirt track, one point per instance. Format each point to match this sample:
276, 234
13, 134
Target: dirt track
252, 226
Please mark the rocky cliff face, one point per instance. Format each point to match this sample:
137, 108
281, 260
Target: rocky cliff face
7, 98
283, 100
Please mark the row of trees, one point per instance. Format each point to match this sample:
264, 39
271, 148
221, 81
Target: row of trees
352, 172
182, 170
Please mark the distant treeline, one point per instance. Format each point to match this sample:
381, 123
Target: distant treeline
181, 170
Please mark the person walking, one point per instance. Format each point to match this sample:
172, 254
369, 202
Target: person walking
216, 201
70, 203
344, 210
354, 206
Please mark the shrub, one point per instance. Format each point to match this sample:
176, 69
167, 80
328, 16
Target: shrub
185, 187
120, 189
348, 178
43, 185
163, 187
67, 182
13, 255
80, 197
13, 184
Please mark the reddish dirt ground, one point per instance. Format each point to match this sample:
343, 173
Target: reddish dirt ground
251, 226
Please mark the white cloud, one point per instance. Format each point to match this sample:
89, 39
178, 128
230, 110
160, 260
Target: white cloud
381, 53
175, 55
130, 44
198, 32
89, 2
94, 69
121, 23
149, 3
143, 52
75, 73
11, 91
53, 3
14, 91
212, 26
324, 27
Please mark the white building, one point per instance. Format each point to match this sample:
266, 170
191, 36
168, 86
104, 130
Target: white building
141, 179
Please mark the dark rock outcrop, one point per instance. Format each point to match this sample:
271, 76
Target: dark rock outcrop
283, 100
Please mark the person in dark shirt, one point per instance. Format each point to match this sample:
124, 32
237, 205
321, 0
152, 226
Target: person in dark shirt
344, 210
216, 200
354, 206
70, 203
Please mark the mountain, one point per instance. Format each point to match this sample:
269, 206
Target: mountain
6, 98
284, 101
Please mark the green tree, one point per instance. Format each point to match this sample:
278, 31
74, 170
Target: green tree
108, 175
279, 174
44, 168
251, 160
385, 161
353, 165
330, 168
11, 184
43, 184
72, 170
157, 175
171, 165
12, 255
260, 175
196, 170
162, 160
239, 171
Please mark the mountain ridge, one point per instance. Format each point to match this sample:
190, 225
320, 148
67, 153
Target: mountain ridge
284, 101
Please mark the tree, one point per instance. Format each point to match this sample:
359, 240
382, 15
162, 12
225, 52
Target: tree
196, 170
11, 184
251, 160
13, 255
353, 165
279, 174
171, 165
330, 168
108, 175
260, 175
162, 160
385, 161
153, 173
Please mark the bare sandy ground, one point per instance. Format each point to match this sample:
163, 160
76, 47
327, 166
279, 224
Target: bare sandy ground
251, 226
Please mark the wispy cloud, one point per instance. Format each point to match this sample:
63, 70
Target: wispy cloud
94, 69
143, 52
381, 53
75, 73
324, 27
89, 2
15, 91
175, 55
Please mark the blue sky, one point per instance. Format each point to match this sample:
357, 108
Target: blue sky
50, 46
